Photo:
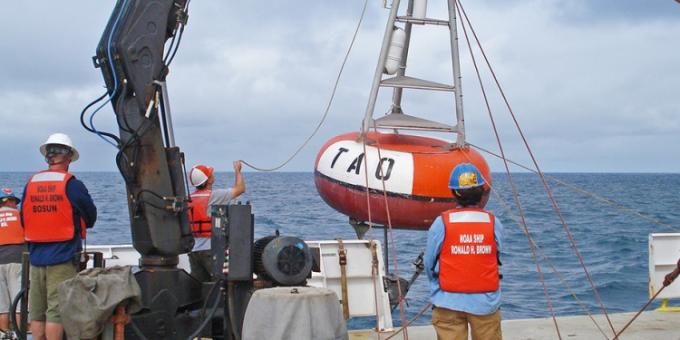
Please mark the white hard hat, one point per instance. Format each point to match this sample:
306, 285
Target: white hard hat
61, 139
199, 174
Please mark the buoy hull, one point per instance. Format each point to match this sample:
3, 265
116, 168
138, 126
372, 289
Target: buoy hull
409, 173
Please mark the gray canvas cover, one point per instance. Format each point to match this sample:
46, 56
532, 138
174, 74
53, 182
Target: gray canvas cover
301, 313
87, 301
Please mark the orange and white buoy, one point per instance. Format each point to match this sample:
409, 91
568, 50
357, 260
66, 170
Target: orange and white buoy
415, 171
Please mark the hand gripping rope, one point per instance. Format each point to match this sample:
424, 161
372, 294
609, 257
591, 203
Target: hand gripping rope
670, 277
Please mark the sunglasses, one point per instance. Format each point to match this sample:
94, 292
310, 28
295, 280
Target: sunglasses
57, 150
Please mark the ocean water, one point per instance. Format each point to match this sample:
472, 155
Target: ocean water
612, 242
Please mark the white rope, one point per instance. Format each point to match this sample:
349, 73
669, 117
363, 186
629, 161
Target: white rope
328, 106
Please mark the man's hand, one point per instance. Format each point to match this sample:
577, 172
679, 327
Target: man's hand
672, 276
239, 184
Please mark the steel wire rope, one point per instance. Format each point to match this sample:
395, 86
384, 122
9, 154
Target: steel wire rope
506, 207
392, 249
328, 106
507, 171
545, 184
576, 188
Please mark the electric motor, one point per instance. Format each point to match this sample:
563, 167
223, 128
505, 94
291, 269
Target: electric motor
284, 260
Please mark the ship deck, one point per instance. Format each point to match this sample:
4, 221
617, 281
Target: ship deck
649, 325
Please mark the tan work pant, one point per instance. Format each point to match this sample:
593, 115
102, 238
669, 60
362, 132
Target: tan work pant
453, 325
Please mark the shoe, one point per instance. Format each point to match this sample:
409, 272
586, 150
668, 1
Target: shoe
8, 335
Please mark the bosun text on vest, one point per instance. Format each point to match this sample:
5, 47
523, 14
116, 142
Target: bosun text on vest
47, 211
467, 261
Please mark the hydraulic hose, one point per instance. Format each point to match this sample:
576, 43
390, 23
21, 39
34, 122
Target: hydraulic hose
208, 318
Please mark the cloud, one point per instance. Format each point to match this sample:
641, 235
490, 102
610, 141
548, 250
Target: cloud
591, 80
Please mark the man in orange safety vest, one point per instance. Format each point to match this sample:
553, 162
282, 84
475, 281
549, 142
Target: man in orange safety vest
205, 196
56, 210
462, 259
11, 248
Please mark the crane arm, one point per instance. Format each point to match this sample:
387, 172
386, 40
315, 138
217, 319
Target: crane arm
134, 63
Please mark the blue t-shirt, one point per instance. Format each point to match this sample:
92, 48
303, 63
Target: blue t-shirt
473, 303
51, 253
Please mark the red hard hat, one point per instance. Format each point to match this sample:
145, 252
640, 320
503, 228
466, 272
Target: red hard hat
199, 174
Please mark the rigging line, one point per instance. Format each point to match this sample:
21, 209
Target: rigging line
668, 280
393, 249
506, 207
545, 183
585, 192
328, 106
616, 336
518, 203
418, 315
532, 245
374, 274
374, 265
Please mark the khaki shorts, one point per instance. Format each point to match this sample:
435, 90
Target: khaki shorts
453, 325
43, 297
10, 284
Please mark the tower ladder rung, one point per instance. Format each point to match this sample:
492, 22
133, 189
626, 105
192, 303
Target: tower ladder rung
422, 21
415, 83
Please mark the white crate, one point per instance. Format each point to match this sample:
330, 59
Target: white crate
664, 252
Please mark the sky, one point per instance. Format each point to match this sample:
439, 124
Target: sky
595, 85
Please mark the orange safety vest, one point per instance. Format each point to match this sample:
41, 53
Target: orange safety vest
11, 231
467, 260
47, 211
201, 223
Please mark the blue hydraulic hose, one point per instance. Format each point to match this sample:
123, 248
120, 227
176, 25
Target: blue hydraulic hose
113, 73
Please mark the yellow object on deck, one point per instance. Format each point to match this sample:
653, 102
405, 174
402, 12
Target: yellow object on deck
666, 308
